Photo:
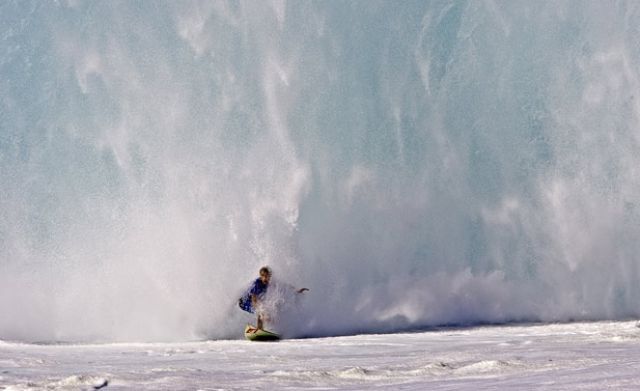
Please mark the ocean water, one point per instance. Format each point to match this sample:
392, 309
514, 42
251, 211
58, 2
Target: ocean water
413, 164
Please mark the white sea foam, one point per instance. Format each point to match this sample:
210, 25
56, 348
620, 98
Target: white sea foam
585, 356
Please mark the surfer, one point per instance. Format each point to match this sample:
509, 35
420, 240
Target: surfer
252, 300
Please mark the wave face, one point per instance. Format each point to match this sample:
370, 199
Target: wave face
414, 164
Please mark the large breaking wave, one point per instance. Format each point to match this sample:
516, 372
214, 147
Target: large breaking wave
414, 164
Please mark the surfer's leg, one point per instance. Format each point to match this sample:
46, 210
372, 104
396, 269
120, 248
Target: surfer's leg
262, 316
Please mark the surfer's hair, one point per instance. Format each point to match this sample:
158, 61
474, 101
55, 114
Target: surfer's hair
265, 269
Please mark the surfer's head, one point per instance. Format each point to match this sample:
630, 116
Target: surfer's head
265, 274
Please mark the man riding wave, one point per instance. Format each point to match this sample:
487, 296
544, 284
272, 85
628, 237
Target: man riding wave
253, 301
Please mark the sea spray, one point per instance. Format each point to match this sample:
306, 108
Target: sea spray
413, 164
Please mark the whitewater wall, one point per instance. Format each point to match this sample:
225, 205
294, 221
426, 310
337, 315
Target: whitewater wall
413, 163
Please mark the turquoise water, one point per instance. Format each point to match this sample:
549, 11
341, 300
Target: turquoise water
413, 163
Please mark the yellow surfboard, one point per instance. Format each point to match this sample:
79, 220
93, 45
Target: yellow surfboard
253, 334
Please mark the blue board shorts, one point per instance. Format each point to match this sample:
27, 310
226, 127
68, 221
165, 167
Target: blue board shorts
245, 304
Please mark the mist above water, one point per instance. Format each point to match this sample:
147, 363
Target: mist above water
414, 164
